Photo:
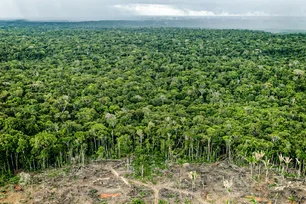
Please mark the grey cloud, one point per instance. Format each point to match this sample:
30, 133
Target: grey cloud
104, 9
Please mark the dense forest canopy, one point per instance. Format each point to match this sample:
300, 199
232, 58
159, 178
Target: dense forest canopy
152, 94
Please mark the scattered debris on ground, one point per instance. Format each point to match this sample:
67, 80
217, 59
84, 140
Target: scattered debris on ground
109, 182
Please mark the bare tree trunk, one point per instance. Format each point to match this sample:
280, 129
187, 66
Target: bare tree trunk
208, 150
16, 161
192, 150
12, 161
128, 164
34, 165
267, 174
142, 171
119, 153
95, 143
113, 142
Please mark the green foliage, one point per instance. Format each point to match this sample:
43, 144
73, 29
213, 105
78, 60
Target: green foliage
149, 94
14, 180
291, 199
162, 202
8, 179
137, 201
92, 191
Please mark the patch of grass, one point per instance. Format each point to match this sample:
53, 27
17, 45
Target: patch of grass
291, 175
291, 199
186, 201
272, 185
3, 195
177, 201
142, 194
163, 202
137, 201
55, 173
252, 199
92, 191
67, 169
14, 180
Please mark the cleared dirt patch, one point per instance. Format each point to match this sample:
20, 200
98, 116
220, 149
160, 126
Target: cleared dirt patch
108, 182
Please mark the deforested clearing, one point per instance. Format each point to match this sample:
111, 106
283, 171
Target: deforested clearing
110, 182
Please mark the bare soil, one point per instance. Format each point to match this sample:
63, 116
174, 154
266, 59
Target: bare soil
109, 182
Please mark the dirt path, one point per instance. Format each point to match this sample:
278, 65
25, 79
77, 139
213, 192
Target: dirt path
154, 188
120, 177
157, 188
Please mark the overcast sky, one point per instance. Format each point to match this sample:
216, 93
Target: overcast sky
125, 9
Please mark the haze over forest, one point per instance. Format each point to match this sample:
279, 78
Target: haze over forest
82, 10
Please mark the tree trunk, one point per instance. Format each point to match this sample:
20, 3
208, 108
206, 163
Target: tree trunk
16, 161
119, 154
95, 143
208, 150
142, 171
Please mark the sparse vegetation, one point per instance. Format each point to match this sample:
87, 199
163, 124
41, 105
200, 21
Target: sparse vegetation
109, 182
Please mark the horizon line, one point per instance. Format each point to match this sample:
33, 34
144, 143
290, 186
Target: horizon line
139, 18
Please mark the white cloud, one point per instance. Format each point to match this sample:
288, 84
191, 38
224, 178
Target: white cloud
167, 10
150, 9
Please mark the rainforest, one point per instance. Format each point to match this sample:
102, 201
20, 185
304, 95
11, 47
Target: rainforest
150, 96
